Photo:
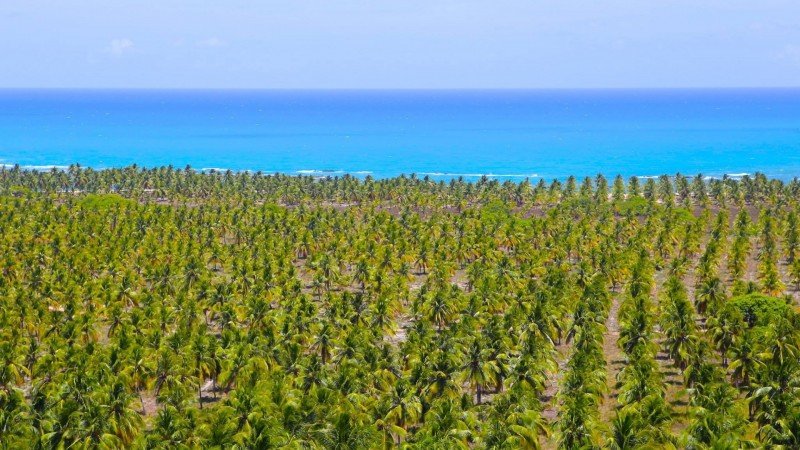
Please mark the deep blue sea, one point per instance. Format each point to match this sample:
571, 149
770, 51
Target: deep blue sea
443, 134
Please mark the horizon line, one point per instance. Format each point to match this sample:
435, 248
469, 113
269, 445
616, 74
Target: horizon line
408, 89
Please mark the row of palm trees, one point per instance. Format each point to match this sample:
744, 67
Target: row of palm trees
163, 308
183, 184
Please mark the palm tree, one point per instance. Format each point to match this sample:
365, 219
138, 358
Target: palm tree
345, 433
710, 296
625, 431
440, 309
724, 329
478, 370
12, 369
446, 426
14, 425
576, 422
678, 325
715, 416
296, 295
744, 361
525, 429
324, 342
440, 380
405, 409
140, 373
123, 421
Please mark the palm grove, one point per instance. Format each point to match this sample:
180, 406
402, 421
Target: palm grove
167, 308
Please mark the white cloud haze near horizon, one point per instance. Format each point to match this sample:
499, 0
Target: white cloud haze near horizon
399, 44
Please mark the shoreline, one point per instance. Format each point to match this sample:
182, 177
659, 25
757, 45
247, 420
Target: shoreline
437, 175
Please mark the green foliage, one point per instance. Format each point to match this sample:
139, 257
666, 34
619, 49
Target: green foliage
103, 201
17, 191
167, 308
759, 309
637, 206
495, 211
683, 215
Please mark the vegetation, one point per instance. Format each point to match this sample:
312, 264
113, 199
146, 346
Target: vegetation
759, 309
168, 308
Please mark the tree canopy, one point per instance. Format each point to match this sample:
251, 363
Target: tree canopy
171, 308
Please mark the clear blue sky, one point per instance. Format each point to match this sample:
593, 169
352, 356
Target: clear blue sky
399, 43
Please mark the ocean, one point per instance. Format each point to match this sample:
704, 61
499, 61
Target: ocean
442, 134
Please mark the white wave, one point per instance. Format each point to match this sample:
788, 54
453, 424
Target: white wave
648, 177
45, 167
729, 175
318, 172
39, 168
512, 175
329, 172
215, 169
478, 175
223, 170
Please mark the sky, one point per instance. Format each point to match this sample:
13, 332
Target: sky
401, 44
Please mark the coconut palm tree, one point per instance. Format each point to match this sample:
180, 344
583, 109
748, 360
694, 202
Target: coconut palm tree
365, 313
478, 370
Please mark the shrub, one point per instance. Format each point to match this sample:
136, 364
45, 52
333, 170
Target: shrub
635, 205
759, 309
103, 201
495, 211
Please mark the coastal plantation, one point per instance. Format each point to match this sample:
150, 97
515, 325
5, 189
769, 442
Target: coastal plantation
154, 308
413, 225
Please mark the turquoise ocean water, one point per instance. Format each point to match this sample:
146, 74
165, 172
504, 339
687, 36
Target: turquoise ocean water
442, 134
